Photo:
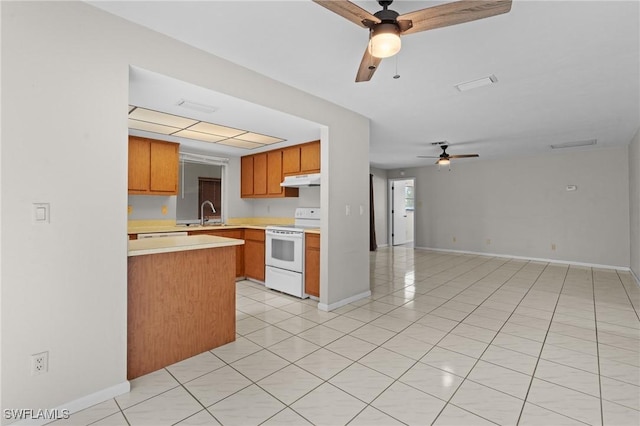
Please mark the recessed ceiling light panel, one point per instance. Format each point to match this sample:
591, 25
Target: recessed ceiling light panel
474, 84
151, 127
256, 137
214, 129
240, 143
190, 134
162, 118
169, 124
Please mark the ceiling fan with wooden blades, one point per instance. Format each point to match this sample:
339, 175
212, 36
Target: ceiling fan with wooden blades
444, 158
386, 26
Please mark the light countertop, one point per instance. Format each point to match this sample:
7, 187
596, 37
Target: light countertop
173, 244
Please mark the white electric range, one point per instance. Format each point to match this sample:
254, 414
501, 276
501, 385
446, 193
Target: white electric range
284, 252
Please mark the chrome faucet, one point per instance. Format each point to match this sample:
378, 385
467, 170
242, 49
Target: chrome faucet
202, 219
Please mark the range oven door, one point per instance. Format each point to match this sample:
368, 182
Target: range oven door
285, 250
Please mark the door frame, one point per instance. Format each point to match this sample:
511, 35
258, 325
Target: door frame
390, 210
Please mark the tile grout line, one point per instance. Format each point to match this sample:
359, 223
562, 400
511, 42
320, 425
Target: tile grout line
595, 320
533, 373
497, 332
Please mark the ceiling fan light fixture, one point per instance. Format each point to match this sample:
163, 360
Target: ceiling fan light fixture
385, 40
443, 162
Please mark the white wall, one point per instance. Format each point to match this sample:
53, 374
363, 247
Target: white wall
520, 206
64, 141
285, 207
634, 203
380, 205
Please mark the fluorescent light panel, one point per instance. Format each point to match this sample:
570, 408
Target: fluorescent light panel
169, 124
474, 84
190, 134
161, 118
151, 127
240, 143
214, 129
574, 144
258, 138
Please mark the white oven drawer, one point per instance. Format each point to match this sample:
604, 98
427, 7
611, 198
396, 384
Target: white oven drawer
285, 281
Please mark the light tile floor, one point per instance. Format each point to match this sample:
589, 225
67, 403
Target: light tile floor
445, 339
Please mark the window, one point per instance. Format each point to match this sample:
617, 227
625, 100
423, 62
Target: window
409, 198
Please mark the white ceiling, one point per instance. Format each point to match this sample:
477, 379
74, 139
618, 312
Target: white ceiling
567, 71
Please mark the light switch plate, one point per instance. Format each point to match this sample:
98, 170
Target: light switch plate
41, 213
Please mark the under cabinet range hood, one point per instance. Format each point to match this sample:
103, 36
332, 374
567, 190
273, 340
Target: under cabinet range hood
312, 179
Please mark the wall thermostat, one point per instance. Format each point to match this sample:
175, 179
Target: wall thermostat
571, 187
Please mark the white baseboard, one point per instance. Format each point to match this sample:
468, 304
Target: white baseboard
633, 274
383, 245
82, 403
336, 305
535, 259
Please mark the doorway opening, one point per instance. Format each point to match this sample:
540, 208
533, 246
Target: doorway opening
401, 212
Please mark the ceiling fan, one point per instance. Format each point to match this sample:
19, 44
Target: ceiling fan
386, 25
444, 158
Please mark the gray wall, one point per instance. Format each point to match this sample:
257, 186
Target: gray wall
520, 206
634, 202
65, 74
380, 195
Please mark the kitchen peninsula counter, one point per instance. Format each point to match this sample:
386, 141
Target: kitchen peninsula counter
183, 243
181, 299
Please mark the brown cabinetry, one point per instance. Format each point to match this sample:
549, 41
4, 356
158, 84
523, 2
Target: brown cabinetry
229, 233
261, 176
310, 157
312, 264
254, 254
246, 176
153, 167
301, 159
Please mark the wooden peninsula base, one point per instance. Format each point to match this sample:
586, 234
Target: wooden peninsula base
180, 304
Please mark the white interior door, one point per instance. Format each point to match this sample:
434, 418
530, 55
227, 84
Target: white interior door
399, 213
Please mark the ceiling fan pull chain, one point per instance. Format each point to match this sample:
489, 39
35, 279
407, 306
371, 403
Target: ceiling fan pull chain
396, 76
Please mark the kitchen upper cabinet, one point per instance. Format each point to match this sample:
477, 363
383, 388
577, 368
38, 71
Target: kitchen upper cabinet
261, 176
274, 172
310, 157
153, 167
312, 264
246, 176
301, 159
254, 254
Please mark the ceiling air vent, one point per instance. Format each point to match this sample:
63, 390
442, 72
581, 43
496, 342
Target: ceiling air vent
574, 144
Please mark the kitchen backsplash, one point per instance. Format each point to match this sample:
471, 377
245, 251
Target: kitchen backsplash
146, 207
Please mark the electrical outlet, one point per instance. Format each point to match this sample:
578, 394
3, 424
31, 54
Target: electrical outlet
39, 363
553, 247
454, 239
488, 241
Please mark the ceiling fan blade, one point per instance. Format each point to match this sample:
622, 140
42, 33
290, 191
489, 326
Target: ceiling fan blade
426, 156
464, 156
348, 10
454, 13
368, 66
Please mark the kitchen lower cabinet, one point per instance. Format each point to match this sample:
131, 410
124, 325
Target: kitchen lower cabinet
254, 248
312, 264
229, 233
179, 304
